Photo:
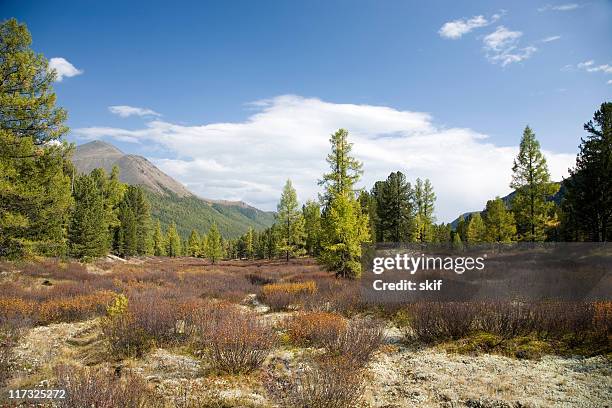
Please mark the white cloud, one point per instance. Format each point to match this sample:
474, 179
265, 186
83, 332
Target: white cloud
63, 68
457, 28
589, 66
551, 38
502, 47
609, 82
288, 136
124, 111
560, 7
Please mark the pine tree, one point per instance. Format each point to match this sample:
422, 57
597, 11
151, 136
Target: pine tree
424, 199
35, 169
588, 202
214, 246
311, 212
368, 206
395, 210
193, 244
500, 224
461, 228
126, 236
88, 230
202, 246
159, 245
531, 208
290, 222
173, 242
137, 201
442, 233
476, 229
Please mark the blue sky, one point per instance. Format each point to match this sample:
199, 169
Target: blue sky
235, 96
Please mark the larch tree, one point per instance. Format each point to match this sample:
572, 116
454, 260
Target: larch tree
173, 241
476, 230
249, 243
311, 212
530, 205
214, 244
588, 202
193, 244
290, 223
35, 168
159, 245
344, 225
424, 201
500, 224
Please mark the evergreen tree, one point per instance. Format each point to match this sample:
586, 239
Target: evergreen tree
531, 180
214, 246
202, 246
476, 229
311, 212
173, 242
88, 230
271, 241
395, 209
34, 168
462, 228
159, 245
193, 244
290, 222
113, 191
126, 235
137, 201
588, 202
442, 233
499, 222
249, 247
368, 206
424, 198
345, 169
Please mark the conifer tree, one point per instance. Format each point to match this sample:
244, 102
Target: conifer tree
249, 244
137, 201
395, 209
202, 246
35, 168
476, 229
368, 206
126, 236
344, 225
424, 199
159, 245
588, 202
499, 222
173, 242
442, 233
193, 244
290, 222
530, 205
88, 230
311, 212
461, 228
214, 246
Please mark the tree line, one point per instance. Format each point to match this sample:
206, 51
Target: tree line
47, 209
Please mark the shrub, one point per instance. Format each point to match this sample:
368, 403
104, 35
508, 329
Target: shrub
436, 321
72, 309
282, 295
234, 341
326, 383
9, 334
315, 328
360, 339
87, 387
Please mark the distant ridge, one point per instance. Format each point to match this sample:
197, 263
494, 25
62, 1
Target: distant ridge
172, 202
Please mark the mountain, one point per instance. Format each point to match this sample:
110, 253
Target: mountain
557, 197
170, 200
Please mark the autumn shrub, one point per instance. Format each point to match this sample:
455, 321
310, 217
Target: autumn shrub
233, 341
602, 319
315, 328
324, 383
70, 309
358, 341
284, 294
89, 387
437, 321
506, 319
13, 308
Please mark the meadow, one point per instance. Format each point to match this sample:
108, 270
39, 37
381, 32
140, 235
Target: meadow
183, 332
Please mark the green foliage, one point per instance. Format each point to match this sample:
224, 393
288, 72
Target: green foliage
34, 168
588, 202
193, 244
395, 209
530, 205
424, 200
345, 228
249, 248
118, 306
499, 222
173, 242
88, 232
189, 213
311, 211
476, 230
214, 245
290, 222
159, 243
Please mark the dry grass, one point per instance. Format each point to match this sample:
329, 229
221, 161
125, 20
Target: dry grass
282, 295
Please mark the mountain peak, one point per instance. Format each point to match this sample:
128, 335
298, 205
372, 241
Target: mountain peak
98, 147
